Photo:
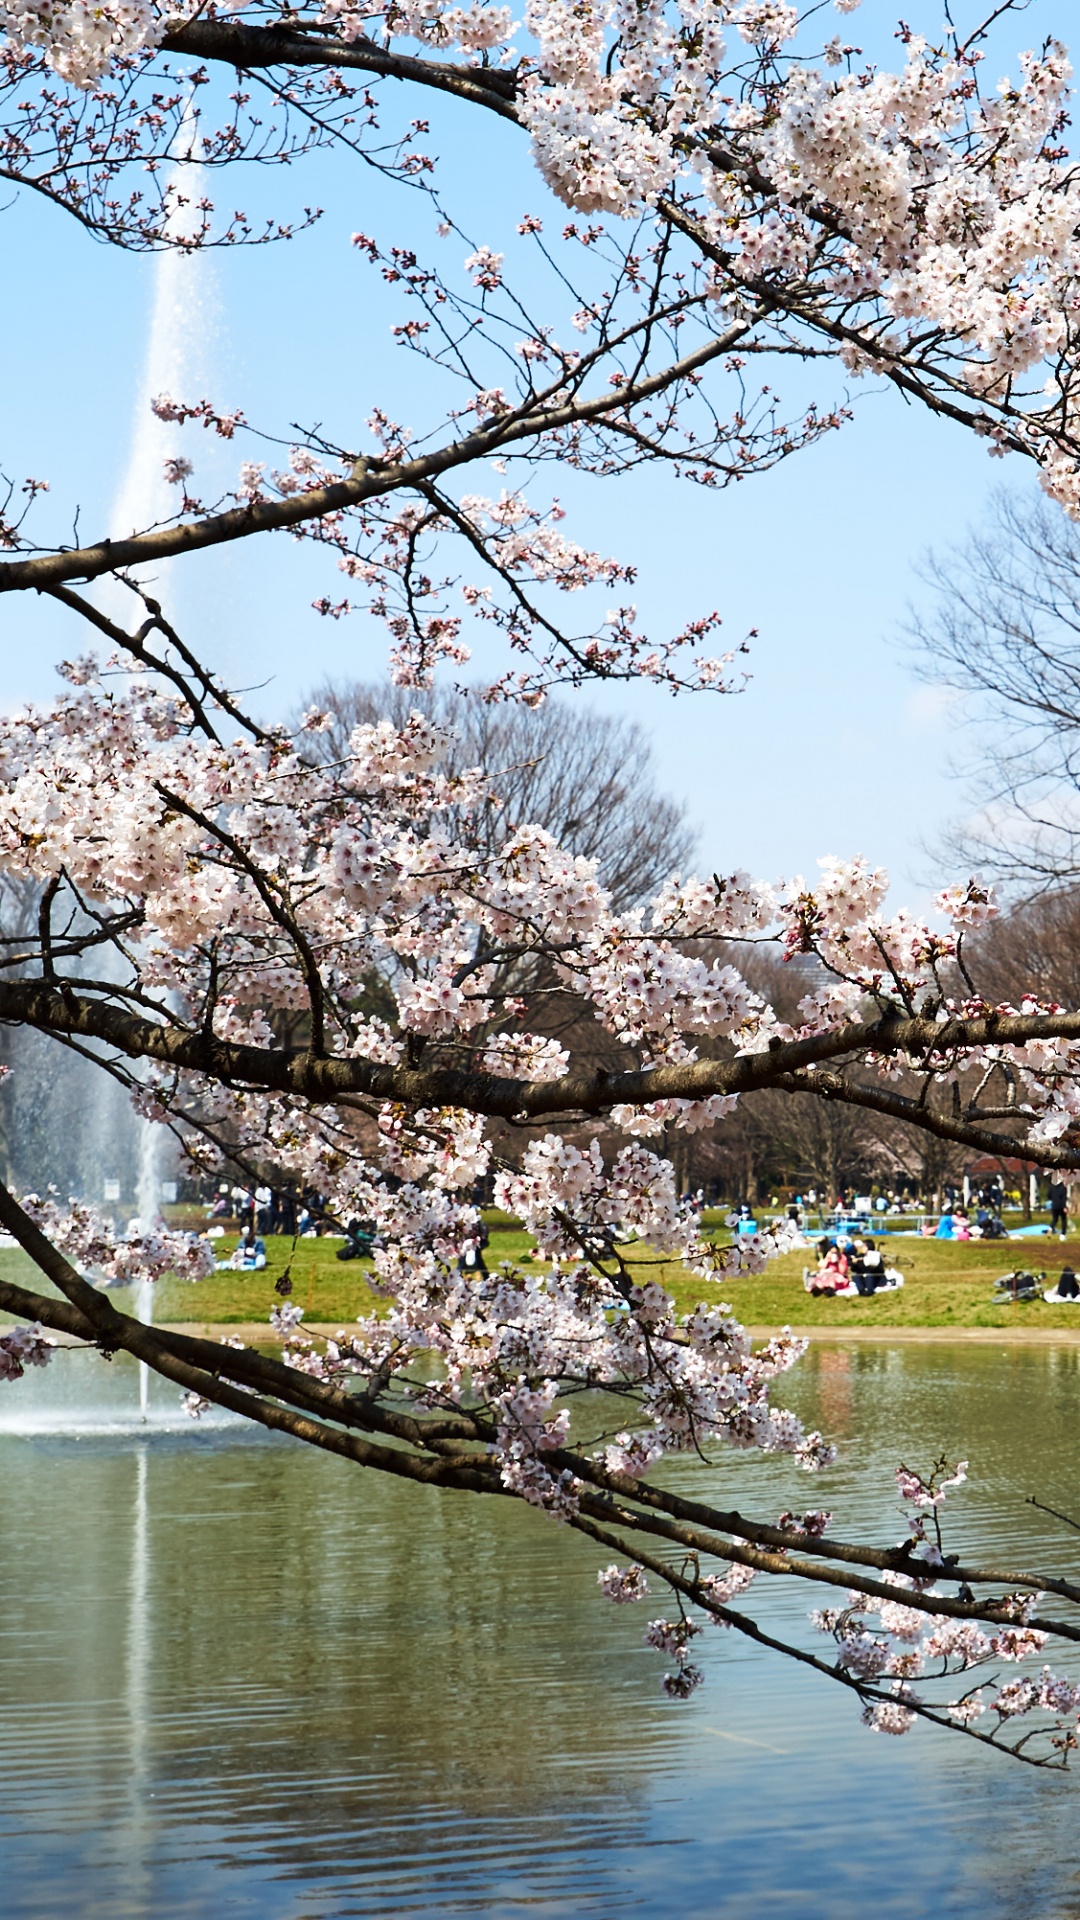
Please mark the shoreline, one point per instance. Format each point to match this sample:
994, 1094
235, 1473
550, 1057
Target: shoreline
256, 1333
931, 1336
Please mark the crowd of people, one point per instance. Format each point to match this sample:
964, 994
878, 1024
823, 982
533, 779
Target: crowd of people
959, 1225
268, 1211
849, 1263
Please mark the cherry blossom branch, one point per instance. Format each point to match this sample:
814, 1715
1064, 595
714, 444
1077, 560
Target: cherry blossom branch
87, 1315
208, 689
369, 480
247, 47
301, 1072
692, 1588
273, 897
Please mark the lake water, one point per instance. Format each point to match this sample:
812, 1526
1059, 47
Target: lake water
246, 1680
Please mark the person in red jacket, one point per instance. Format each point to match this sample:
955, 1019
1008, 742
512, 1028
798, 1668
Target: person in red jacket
832, 1273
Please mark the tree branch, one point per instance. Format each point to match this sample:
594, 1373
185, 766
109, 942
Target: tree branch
251, 47
299, 1072
369, 480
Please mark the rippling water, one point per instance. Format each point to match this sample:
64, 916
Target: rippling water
248, 1680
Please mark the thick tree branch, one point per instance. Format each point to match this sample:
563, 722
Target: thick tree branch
299, 1072
252, 47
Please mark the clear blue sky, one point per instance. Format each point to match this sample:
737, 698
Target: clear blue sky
834, 747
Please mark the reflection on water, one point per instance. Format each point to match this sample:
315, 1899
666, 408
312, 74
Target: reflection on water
833, 1408
246, 1679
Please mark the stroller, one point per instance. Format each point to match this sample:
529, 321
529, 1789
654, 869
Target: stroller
1020, 1285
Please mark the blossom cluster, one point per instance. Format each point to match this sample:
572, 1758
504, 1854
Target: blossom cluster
22, 1347
623, 1584
82, 41
146, 1253
889, 1644
675, 1637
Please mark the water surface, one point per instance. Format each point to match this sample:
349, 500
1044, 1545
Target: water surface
245, 1679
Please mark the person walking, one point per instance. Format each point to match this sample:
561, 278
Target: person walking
1059, 1195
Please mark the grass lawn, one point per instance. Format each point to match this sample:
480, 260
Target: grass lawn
947, 1285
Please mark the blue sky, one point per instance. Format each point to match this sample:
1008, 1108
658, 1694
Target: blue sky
835, 747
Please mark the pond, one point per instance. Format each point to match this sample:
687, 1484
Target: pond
245, 1679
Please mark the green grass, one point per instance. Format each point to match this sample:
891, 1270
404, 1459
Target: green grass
947, 1285
327, 1288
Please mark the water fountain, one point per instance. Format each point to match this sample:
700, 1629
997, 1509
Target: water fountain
148, 1201
178, 362
63, 1398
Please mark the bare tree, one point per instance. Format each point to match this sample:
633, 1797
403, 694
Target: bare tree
585, 776
1005, 637
791, 1136
1033, 948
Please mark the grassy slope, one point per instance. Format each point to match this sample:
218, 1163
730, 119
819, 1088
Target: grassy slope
948, 1285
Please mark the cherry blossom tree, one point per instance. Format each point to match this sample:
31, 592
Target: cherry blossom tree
213, 889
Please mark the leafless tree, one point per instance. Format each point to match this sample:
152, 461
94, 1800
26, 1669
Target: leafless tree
1032, 948
1004, 636
585, 776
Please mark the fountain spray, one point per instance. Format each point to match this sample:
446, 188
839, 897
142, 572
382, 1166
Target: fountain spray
177, 356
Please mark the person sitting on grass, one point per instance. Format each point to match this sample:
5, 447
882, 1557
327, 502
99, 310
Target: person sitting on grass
249, 1253
1068, 1287
360, 1238
988, 1226
867, 1267
832, 1274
